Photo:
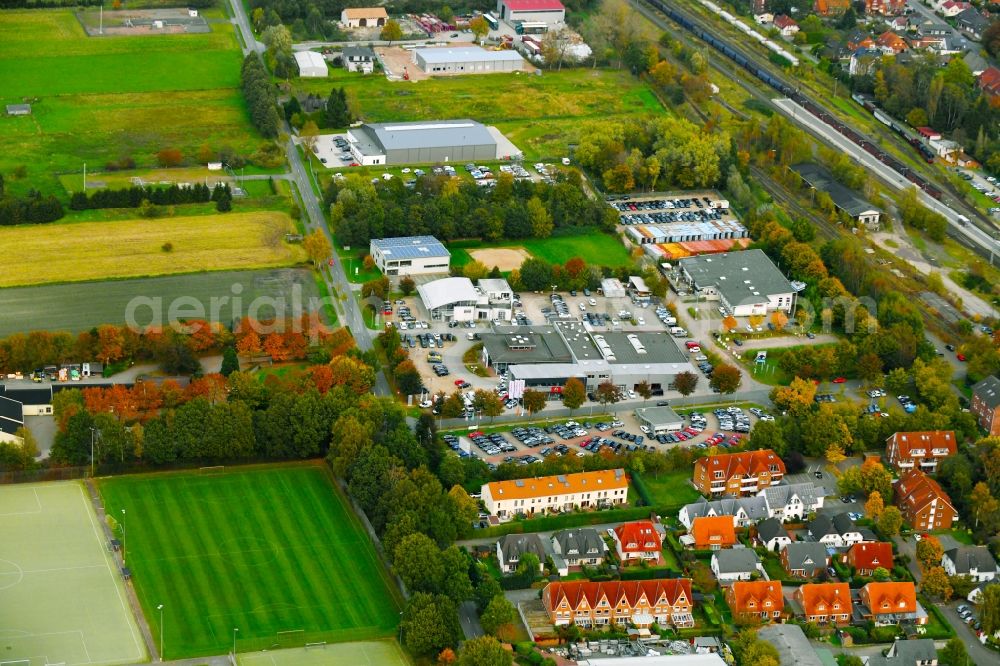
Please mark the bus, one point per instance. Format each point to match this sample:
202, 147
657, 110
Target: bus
491, 21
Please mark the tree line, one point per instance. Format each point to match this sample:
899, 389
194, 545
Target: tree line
32, 208
450, 208
132, 197
176, 349
260, 96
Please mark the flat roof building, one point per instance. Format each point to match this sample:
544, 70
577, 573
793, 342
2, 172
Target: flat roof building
11, 419
846, 200
466, 60
659, 419
410, 255
747, 283
550, 12
422, 142
545, 357
311, 64
680, 232
18, 109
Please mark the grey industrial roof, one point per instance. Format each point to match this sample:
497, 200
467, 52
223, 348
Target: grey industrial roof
11, 415
967, 558
18, 108
578, 339
439, 56
428, 134
660, 347
446, 291
542, 345
988, 391
737, 275
28, 395
410, 247
493, 284
845, 199
658, 415
792, 645
803, 553
736, 560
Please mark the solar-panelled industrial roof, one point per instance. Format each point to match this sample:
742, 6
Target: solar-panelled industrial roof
410, 247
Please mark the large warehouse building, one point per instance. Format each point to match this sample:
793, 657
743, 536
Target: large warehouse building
545, 357
746, 283
311, 64
466, 60
422, 142
410, 255
550, 12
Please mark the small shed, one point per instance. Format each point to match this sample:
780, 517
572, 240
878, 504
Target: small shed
18, 109
659, 419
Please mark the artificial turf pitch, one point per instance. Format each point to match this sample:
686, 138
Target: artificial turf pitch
272, 552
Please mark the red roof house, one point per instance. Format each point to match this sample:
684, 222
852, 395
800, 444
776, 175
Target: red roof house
638, 541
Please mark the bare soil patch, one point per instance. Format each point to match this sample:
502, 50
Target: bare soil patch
504, 258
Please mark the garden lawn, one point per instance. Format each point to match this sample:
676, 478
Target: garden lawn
134, 248
98, 99
270, 551
593, 247
671, 489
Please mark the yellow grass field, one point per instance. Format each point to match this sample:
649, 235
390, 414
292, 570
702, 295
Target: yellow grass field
134, 248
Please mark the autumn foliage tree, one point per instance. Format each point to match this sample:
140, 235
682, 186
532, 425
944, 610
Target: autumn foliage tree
169, 157
929, 552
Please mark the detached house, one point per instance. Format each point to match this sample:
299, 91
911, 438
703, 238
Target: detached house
665, 602
925, 505
743, 510
913, 652
713, 533
867, 557
885, 7
805, 559
787, 25
771, 534
761, 598
738, 474
825, 603
989, 81
839, 531
985, 403
637, 542
891, 603
890, 43
920, 450
359, 59
976, 562
511, 547
735, 564
794, 501
580, 547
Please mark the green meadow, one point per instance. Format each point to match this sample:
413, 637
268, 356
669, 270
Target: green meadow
96, 99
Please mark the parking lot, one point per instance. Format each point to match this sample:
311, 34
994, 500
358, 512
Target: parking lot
724, 428
700, 207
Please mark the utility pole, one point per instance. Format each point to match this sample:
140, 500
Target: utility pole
102, 19
92, 452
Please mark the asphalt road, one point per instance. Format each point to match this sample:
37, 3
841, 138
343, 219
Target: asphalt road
978, 652
335, 278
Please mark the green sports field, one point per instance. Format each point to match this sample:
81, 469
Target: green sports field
273, 552
96, 99
594, 247
367, 653
62, 599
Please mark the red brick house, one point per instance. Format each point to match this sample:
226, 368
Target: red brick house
738, 474
925, 505
986, 405
761, 598
666, 602
713, 532
825, 603
922, 450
